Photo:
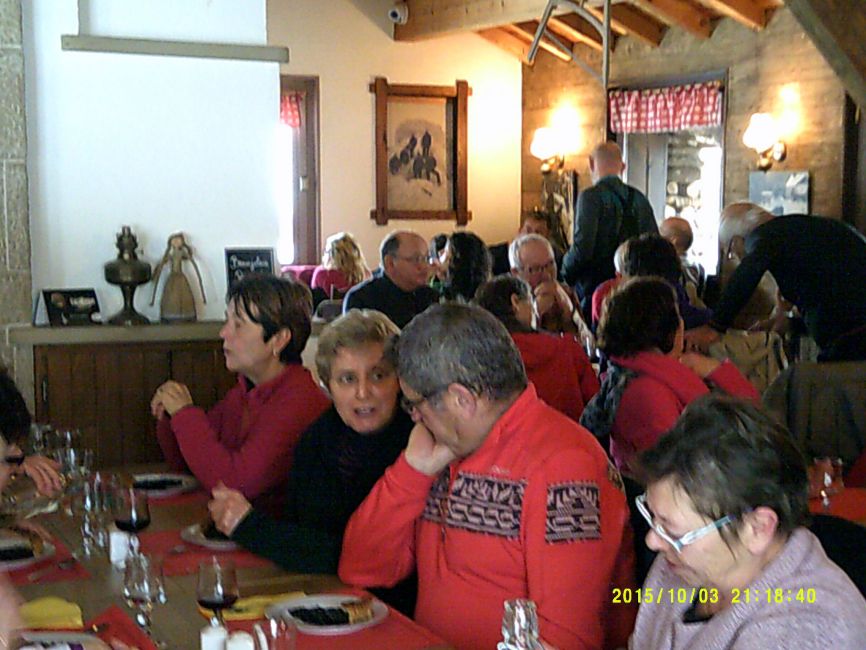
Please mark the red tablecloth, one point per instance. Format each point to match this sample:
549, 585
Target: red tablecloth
120, 627
75, 572
186, 563
849, 504
195, 496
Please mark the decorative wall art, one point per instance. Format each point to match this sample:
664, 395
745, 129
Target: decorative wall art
421, 152
780, 192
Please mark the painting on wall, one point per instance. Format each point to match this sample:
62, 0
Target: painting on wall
420, 152
780, 192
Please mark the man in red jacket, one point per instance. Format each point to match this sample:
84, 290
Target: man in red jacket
497, 496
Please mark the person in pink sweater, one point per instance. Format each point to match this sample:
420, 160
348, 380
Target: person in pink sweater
247, 440
650, 381
556, 364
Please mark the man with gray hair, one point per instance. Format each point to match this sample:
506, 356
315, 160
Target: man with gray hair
401, 290
497, 496
533, 260
608, 213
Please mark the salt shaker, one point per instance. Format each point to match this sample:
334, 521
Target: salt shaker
214, 637
520, 626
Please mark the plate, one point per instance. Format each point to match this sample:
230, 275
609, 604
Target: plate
185, 483
48, 551
193, 535
281, 610
89, 641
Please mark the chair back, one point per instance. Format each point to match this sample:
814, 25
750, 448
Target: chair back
845, 544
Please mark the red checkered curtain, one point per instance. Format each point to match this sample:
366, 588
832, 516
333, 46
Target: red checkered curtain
290, 109
660, 110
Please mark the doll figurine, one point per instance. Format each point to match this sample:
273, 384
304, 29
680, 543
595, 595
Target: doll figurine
177, 303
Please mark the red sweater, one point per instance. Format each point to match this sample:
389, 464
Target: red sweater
653, 401
248, 439
532, 513
558, 367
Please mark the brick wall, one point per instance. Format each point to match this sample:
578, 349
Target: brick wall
15, 281
758, 65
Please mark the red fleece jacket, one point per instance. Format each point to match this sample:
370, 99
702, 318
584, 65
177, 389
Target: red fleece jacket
248, 439
653, 401
560, 370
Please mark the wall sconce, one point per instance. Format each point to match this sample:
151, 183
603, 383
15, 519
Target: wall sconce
547, 148
762, 135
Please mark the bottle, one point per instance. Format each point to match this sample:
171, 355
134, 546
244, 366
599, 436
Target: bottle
519, 626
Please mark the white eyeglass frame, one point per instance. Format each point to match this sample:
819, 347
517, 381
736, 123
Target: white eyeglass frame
689, 538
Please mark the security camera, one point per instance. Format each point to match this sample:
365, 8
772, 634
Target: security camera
399, 13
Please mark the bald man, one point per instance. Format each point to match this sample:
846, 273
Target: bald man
678, 231
608, 213
819, 265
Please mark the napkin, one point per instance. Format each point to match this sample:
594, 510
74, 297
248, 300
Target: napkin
51, 613
252, 607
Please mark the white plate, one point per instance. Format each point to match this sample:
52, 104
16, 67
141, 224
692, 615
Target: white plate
187, 483
281, 610
193, 535
48, 551
91, 642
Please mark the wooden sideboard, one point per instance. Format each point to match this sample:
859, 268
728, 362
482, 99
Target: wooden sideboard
100, 380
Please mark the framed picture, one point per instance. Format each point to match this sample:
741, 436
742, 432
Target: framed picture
71, 307
421, 152
780, 192
243, 261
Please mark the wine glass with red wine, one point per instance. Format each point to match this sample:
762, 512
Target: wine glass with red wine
131, 514
217, 587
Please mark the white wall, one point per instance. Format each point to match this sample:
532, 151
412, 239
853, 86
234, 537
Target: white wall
348, 43
158, 143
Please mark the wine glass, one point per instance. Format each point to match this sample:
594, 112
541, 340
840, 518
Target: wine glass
131, 514
143, 587
217, 587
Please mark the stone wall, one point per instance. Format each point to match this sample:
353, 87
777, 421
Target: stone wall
15, 281
757, 64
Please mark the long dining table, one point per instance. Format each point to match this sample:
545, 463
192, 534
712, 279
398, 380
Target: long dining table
95, 585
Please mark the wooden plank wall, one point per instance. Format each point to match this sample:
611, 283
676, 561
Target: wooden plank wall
758, 65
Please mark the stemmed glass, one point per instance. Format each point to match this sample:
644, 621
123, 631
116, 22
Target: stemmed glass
143, 587
217, 587
131, 514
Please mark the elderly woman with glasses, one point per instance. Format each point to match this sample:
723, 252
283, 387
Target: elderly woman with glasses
340, 456
726, 502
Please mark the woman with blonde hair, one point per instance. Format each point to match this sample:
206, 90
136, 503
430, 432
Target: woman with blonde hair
342, 266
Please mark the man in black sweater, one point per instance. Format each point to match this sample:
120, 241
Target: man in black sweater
819, 265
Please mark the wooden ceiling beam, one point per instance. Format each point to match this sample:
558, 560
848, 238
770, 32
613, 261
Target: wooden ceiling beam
743, 11
507, 41
629, 20
575, 29
679, 13
527, 33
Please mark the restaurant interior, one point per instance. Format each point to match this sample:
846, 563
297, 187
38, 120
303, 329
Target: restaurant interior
258, 125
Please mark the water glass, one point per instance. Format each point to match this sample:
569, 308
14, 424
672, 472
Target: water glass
276, 634
39, 438
143, 587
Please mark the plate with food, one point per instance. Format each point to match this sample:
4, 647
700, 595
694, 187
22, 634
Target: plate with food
70, 640
330, 614
21, 548
206, 534
164, 484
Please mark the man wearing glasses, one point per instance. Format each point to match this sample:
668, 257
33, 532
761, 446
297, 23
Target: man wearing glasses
497, 496
400, 291
726, 504
532, 259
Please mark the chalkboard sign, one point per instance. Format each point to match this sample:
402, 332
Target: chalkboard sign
243, 261
71, 306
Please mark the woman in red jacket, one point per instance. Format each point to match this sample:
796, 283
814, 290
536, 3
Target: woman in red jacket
247, 440
555, 363
650, 380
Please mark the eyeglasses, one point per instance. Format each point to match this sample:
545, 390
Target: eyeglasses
540, 268
690, 537
414, 259
409, 405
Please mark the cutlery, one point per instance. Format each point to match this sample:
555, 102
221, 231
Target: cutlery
68, 563
176, 550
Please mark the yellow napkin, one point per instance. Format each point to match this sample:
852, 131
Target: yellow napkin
51, 613
252, 607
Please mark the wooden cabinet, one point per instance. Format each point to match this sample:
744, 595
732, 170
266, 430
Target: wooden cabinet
104, 389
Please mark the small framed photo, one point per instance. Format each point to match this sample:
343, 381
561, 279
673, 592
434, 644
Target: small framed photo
70, 307
780, 192
244, 261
